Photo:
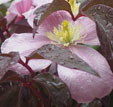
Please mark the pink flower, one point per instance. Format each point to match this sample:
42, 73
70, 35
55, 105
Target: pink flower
83, 86
20, 7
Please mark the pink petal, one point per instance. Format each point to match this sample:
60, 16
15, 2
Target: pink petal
23, 43
12, 9
10, 17
41, 2
39, 64
29, 15
20, 69
23, 6
53, 20
57, 18
85, 87
89, 27
20, 6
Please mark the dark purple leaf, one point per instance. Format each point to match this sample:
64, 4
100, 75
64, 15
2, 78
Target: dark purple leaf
95, 103
22, 27
64, 57
89, 3
53, 69
17, 91
35, 56
59, 94
9, 91
9, 94
7, 60
106, 101
103, 16
45, 10
3, 21
13, 92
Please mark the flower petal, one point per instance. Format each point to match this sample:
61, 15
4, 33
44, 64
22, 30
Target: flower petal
23, 43
85, 87
20, 6
53, 20
26, 44
39, 64
89, 29
10, 17
20, 69
29, 15
41, 2
23, 6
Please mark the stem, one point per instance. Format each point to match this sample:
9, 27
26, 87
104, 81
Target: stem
1, 35
36, 93
47, 103
79, 15
75, 18
8, 33
26, 66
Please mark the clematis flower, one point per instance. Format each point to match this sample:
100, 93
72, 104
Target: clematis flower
30, 14
20, 7
60, 29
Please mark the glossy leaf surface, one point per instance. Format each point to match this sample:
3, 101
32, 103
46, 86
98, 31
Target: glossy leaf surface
64, 57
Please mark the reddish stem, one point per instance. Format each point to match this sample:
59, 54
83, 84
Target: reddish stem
26, 66
75, 18
36, 93
2, 36
78, 16
41, 96
8, 33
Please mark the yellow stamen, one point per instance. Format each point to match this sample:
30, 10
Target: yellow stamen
66, 34
74, 6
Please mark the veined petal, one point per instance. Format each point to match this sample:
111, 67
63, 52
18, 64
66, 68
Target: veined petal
23, 43
85, 87
37, 65
41, 2
29, 15
20, 6
54, 20
10, 17
23, 6
88, 29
